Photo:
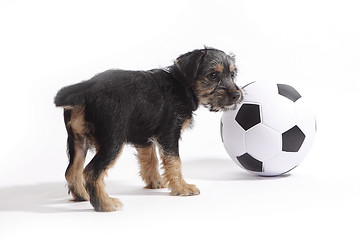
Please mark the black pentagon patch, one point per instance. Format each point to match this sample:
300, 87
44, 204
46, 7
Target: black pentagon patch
288, 92
250, 163
292, 139
248, 116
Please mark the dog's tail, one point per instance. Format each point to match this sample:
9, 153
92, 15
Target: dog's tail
72, 95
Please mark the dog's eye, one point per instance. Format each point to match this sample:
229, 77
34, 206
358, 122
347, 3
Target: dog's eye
213, 75
232, 74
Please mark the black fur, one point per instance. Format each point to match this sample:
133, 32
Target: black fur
138, 107
131, 106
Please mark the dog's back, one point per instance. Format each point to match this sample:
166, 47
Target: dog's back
136, 101
111, 80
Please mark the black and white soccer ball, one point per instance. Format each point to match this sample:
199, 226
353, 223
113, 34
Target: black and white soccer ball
271, 131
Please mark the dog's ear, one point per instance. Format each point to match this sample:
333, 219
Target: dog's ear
188, 65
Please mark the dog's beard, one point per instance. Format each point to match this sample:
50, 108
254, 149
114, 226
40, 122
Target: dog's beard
218, 105
217, 108
212, 108
231, 107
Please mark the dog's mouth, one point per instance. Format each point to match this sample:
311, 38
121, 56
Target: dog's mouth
216, 108
224, 102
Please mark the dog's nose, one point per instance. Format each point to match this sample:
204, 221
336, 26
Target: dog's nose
234, 96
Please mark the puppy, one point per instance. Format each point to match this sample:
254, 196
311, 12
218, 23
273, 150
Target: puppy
147, 109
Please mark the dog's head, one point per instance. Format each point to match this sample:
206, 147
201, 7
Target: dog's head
211, 74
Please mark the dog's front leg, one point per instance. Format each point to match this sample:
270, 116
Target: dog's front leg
173, 176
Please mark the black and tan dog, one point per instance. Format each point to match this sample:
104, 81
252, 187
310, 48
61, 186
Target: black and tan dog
147, 109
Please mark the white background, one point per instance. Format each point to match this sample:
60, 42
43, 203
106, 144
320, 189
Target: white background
311, 44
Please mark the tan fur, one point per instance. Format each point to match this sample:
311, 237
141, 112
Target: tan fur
232, 68
219, 67
186, 124
107, 204
202, 92
74, 175
173, 176
77, 121
149, 167
81, 129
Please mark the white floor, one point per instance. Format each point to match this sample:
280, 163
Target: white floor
319, 199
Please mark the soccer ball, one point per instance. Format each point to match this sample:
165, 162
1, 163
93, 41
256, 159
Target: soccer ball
271, 131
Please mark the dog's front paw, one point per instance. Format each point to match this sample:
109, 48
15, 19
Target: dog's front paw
156, 184
185, 190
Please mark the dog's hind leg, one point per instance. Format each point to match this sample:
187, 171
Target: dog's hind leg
77, 150
94, 174
74, 171
149, 167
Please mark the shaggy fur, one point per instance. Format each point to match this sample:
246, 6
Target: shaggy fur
147, 109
